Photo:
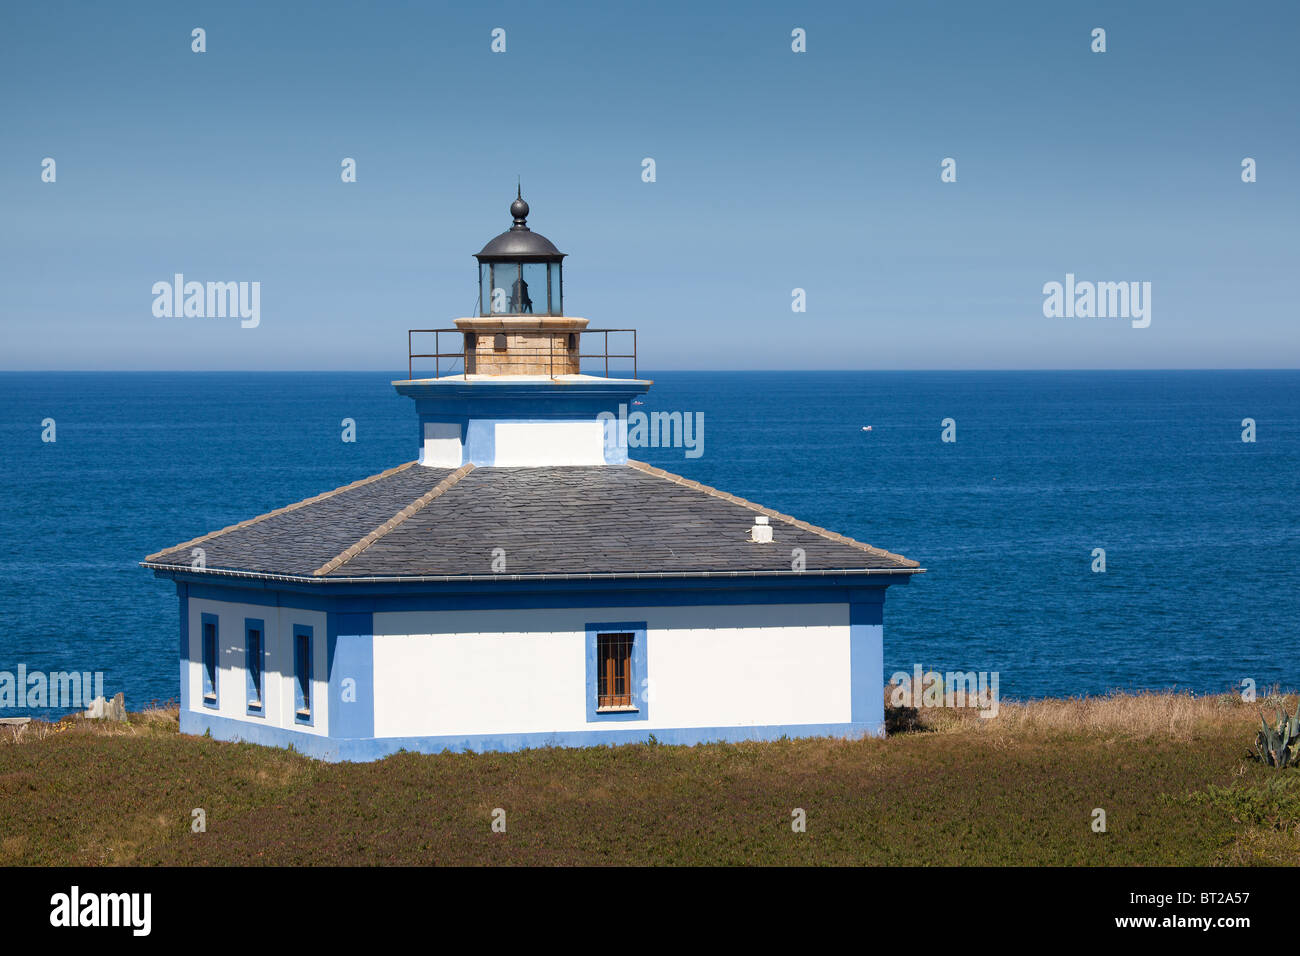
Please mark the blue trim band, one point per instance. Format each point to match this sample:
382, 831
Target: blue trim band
360, 750
553, 401
505, 594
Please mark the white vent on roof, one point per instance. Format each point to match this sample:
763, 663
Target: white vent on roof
761, 532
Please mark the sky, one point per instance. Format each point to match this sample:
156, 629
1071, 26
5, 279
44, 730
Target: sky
775, 170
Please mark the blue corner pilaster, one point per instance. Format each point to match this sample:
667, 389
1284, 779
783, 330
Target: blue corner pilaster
867, 656
351, 662
183, 592
480, 442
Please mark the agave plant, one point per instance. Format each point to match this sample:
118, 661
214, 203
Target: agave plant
1280, 746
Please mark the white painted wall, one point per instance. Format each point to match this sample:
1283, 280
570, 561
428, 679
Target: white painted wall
528, 444
442, 446
455, 672
278, 680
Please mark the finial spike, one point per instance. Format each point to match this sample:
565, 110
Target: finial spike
519, 209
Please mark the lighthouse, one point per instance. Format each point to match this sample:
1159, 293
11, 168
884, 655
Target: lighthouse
521, 581
509, 390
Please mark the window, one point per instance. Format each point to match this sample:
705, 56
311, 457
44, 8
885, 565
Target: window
614, 670
253, 651
302, 673
209, 653
618, 685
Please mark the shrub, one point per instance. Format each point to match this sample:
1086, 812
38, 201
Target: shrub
1279, 746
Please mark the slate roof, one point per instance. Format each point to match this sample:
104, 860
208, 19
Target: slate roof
441, 524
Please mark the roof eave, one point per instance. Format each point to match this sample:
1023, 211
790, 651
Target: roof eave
477, 578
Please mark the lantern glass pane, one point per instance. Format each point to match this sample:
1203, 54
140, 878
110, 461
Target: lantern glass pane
504, 277
557, 300
532, 297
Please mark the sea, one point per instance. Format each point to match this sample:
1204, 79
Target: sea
1082, 531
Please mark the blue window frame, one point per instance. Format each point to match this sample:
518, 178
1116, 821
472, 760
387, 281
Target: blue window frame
209, 637
302, 658
254, 657
618, 683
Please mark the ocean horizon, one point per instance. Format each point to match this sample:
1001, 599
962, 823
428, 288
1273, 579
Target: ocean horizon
1197, 526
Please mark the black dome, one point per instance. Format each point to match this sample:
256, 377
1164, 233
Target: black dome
519, 242
525, 242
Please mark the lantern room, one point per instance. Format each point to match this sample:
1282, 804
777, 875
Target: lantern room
520, 270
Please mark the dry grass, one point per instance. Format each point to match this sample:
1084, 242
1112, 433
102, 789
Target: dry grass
159, 717
1171, 716
156, 718
1171, 770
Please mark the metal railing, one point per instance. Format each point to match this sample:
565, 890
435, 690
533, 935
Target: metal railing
513, 355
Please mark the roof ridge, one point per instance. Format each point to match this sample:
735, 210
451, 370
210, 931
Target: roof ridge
415, 506
754, 506
279, 511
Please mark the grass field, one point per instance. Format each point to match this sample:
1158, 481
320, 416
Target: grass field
1172, 773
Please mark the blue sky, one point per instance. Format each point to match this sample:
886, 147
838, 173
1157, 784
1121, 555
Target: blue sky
775, 170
